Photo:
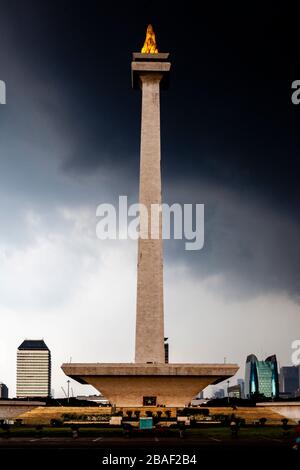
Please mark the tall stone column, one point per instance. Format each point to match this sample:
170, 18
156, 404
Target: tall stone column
149, 73
149, 346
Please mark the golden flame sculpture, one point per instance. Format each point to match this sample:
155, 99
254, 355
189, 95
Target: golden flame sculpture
150, 46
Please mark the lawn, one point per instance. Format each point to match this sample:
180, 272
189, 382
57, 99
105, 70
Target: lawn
218, 432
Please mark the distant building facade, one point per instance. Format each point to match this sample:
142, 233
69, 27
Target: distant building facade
235, 391
238, 390
289, 380
241, 383
33, 369
219, 393
3, 390
261, 377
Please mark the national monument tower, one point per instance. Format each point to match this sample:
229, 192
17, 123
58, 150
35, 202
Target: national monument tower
149, 378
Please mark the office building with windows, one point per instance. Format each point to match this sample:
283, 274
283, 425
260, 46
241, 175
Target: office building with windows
261, 377
234, 391
33, 369
219, 393
289, 380
241, 383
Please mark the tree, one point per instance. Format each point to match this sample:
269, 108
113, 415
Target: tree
263, 421
285, 424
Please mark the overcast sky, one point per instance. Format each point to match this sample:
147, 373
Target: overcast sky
69, 140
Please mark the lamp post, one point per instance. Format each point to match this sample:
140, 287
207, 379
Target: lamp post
228, 391
68, 390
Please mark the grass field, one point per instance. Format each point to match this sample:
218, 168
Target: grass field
248, 432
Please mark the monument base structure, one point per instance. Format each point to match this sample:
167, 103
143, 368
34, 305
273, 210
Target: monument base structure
164, 384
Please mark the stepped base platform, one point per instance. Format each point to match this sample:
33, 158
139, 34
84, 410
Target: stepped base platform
139, 384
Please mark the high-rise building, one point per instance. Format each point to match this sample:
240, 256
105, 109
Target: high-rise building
219, 393
33, 369
235, 391
289, 380
3, 390
261, 377
238, 390
241, 383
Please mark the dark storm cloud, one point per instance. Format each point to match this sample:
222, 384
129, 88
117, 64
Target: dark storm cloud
252, 246
230, 133
228, 115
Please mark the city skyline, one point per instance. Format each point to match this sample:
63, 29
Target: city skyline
69, 141
209, 391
